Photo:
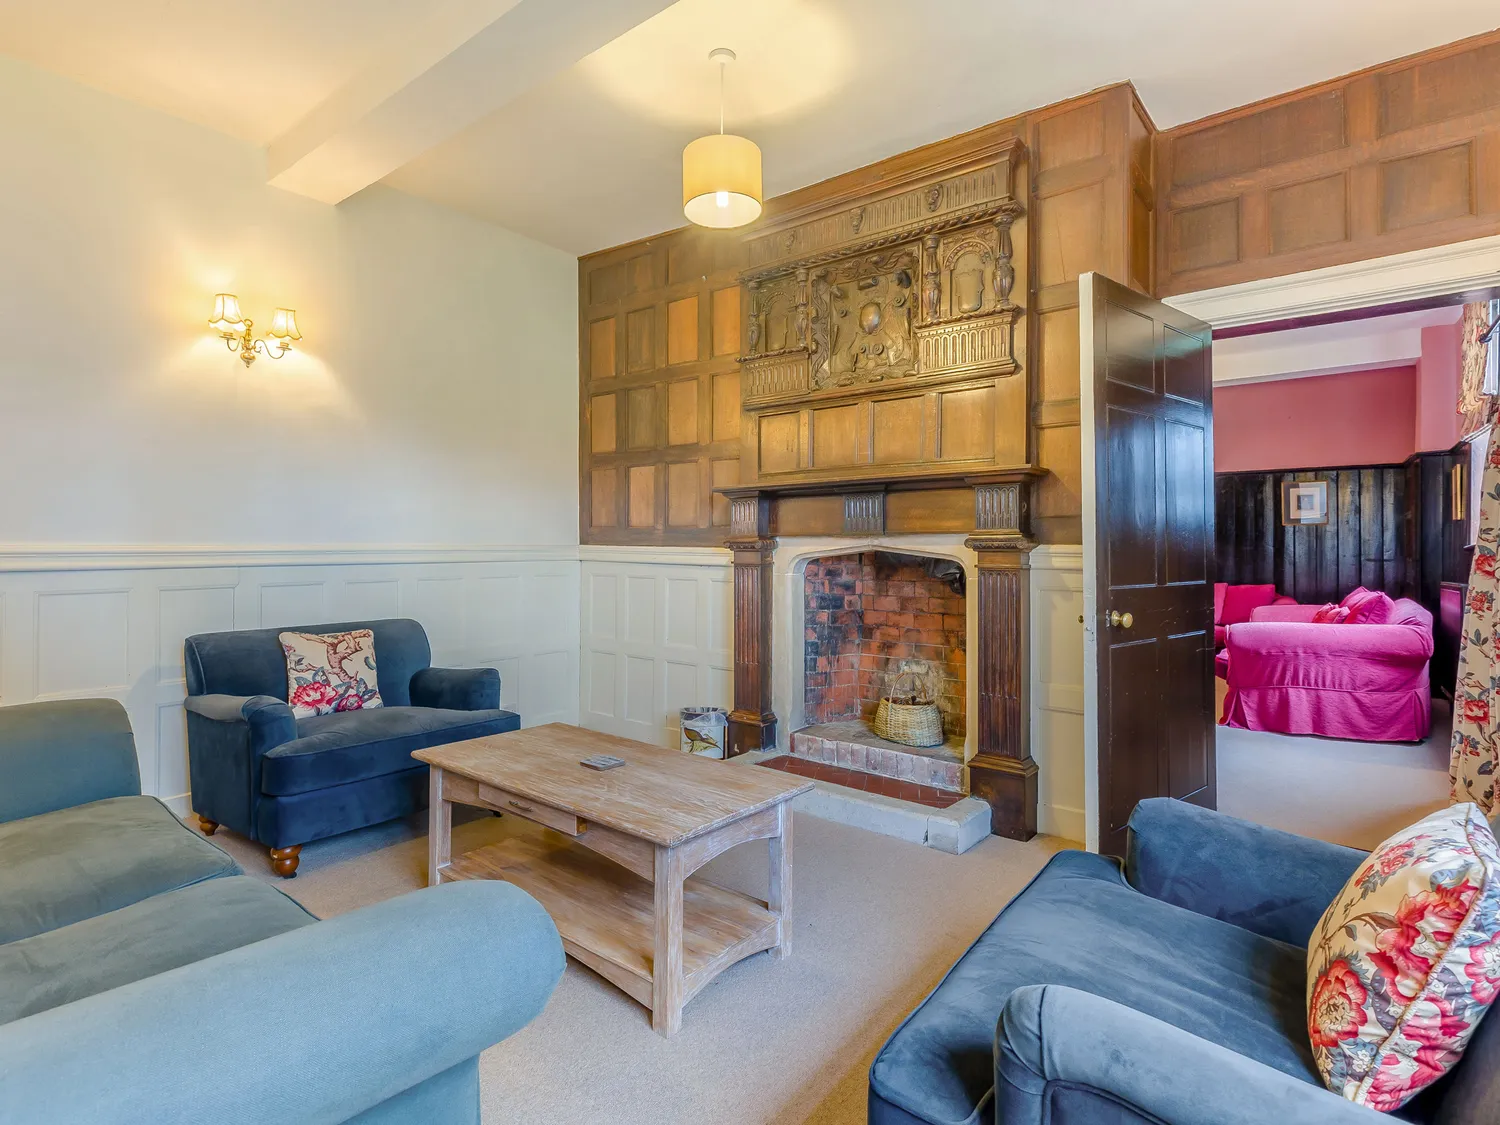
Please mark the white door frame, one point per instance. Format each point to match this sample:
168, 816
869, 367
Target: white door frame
1417, 274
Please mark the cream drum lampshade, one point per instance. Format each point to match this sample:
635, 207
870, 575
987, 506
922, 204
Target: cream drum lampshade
721, 184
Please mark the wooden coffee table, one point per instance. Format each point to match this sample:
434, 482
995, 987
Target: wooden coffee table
616, 872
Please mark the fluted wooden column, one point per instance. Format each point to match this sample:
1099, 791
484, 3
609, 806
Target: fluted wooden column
752, 724
1002, 771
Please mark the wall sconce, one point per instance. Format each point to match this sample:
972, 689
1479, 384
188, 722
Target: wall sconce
236, 330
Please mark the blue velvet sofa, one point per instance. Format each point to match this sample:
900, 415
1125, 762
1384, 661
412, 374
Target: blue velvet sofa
1170, 990
284, 781
144, 977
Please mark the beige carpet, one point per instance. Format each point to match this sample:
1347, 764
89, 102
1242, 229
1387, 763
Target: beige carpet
1354, 793
878, 921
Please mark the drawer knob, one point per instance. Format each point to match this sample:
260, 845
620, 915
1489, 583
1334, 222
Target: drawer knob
519, 807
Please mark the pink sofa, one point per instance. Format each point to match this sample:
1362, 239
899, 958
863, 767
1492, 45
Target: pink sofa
1234, 604
1366, 682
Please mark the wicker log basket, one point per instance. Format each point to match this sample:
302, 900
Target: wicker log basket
904, 716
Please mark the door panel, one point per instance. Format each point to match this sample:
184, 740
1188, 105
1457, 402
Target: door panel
1189, 741
1186, 534
1134, 719
1132, 509
1148, 384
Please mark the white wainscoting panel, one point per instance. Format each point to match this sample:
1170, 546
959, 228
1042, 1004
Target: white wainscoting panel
657, 629
1057, 689
117, 630
656, 637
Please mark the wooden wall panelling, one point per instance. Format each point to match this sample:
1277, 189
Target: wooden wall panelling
1093, 208
1398, 157
659, 388
662, 327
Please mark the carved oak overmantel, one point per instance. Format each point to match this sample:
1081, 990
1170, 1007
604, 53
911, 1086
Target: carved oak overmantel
880, 334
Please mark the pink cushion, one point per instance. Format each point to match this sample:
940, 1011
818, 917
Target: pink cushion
1330, 614
1406, 960
1241, 601
1369, 607
1219, 588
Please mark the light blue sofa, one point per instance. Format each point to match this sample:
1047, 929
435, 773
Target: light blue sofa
1170, 991
144, 978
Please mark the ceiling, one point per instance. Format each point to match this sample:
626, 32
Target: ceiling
1367, 344
566, 121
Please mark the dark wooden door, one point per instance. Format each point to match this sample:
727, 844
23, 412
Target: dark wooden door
1153, 536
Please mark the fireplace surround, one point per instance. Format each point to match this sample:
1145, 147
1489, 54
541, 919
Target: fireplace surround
977, 521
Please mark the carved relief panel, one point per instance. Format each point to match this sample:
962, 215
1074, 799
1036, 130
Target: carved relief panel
846, 309
862, 320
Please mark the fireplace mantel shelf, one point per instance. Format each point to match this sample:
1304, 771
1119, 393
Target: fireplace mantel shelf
900, 481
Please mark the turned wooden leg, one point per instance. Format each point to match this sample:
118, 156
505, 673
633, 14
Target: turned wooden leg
209, 827
284, 861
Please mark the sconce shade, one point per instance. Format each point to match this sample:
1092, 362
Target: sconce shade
284, 325
226, 319
721, 184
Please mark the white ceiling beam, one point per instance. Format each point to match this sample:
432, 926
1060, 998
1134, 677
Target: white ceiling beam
447, 74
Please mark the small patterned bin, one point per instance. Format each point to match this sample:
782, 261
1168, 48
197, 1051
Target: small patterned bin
704, 731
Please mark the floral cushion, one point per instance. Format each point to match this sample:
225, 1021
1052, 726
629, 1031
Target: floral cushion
1330, 614
1406, 960
328, 672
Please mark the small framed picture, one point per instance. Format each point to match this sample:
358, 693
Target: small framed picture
1304, 502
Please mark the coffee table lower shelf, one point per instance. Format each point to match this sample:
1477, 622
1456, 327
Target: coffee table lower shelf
607, 915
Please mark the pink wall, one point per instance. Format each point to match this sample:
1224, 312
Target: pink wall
1439, 373
1356, 418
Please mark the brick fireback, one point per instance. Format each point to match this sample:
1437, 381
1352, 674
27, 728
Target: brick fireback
865, 616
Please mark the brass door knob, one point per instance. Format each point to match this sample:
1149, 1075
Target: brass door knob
1122, 620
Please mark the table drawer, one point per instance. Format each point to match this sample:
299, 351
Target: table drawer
531, 810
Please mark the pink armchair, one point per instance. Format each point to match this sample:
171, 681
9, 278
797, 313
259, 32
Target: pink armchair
1365, 682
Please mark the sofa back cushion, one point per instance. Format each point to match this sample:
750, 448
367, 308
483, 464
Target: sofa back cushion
1241, 601
1407, 612
1220, 588
252, 661
1368, 607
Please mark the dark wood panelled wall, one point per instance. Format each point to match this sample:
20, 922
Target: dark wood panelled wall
1397, 157
663, 321
1390, 527
1366, 541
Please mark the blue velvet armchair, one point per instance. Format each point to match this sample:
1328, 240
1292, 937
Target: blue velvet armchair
1170, 990
282, 781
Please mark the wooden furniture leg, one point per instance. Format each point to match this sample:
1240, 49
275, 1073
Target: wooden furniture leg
209, 827
284, 861
779, 900
666, 962
439, 827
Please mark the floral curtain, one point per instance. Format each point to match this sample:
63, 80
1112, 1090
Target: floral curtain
1476, 710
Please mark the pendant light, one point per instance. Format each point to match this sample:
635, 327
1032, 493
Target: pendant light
721, 172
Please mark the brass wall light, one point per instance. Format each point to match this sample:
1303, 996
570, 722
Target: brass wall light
236, 330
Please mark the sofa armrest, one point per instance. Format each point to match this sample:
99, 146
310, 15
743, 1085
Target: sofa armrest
1059, 1049
1390, 644
267, 721
63, 753
456, 689
318, 1024
1261, 879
